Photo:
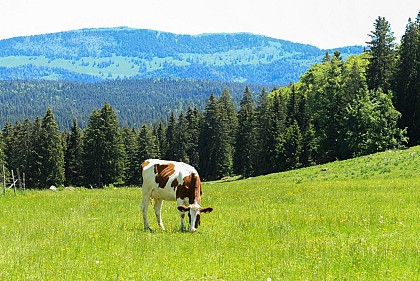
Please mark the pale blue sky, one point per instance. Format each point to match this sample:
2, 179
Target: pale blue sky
323, 23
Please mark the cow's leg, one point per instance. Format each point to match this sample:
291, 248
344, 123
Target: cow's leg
182, 215
158, 212
144, 208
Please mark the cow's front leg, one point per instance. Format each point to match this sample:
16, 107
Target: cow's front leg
182, 215
158, 212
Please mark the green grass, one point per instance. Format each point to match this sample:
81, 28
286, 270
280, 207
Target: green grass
356, 220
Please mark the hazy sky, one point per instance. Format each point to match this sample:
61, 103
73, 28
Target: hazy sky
323, 23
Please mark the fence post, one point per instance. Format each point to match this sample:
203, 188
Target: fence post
4, 181
14, 183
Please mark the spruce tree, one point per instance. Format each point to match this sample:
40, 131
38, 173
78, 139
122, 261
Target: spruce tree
74, 156
246, 140
103, 149
264, 121
171, 134
92, 150
277, 131
131, 162
226, 137
52, 152
146, 145
382, 56
193, 136
208, 139
160, 135
407, 94
35, 156
181, 139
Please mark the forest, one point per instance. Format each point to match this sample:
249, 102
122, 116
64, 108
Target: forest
338, 110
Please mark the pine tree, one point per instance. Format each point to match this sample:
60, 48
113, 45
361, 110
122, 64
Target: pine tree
408, 81
171, 134
17, 141
246, 138
227, 124
146, 145
35, 156
293, 142
74, 156
2, 152
193, 136
160, 135
330, 113
277, 131
264, 120
92, 150
131, 161
208, 139
382, 56
181, 139
104, 149
52, 152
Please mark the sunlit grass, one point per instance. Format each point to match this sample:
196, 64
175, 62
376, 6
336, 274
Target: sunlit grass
356, 220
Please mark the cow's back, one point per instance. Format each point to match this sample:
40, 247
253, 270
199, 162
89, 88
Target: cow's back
161, 177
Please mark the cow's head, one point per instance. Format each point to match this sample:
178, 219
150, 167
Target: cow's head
194, 214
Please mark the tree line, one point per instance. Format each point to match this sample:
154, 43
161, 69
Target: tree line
338, 110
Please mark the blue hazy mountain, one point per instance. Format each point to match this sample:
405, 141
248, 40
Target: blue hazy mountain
88, 55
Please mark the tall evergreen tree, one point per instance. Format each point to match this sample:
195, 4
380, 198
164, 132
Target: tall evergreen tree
246, 138
52, 152
103, 149
277, 131
193, 136
160, 135
2, 153
74, 156
264, 122
330, 114
171, 134
227, 125
408, 81
181, 140
293, 146
35, 156
131, 162
146, 145
382, 56
208, 139
18, 146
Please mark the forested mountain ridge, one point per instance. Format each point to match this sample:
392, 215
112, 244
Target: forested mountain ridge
110, 53
137, 101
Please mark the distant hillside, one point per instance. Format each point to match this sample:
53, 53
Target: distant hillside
95, 54
136, 101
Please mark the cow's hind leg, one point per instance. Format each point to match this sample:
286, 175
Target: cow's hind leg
158, 212
144, 208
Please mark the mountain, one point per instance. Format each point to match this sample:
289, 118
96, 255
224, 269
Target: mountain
90, 55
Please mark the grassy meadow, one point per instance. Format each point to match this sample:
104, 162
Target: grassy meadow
351, 220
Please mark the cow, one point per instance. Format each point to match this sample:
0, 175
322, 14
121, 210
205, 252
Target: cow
172, 181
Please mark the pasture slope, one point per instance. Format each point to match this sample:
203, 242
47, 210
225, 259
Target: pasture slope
350, 220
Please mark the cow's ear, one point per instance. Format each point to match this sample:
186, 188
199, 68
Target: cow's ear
206, 210
183, 208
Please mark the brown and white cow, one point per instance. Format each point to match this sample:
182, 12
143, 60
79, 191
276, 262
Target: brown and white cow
172, 181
